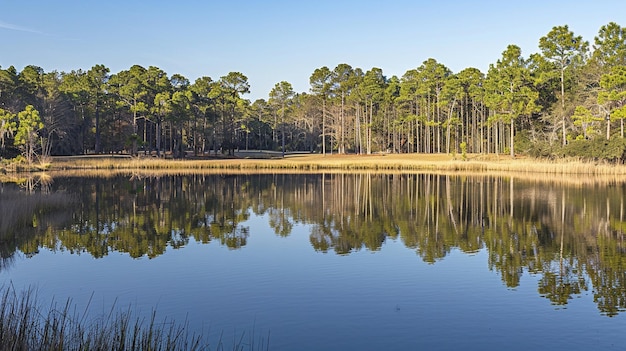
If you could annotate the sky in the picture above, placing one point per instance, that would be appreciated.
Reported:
(273, 41)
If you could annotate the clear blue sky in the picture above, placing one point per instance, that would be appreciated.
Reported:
(271, 41)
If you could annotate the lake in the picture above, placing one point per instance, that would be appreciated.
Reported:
(332, 261)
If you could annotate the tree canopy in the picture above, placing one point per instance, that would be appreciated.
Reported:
(537, 105)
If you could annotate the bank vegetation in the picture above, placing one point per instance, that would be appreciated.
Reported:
(568, 100)
(26, 324)
(473, 163)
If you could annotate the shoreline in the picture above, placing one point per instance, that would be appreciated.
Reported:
(272, 162)
(345, 163)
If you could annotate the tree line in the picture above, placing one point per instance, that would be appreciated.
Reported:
(566, 100)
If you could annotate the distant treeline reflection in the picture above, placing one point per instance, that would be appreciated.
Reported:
(573, 236)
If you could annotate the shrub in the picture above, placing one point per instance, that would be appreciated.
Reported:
(463, 146)
(596, 149)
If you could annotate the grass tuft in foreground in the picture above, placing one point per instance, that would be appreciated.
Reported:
(24, 325)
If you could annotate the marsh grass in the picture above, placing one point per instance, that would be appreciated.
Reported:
(25, 325)
(347, 163)
(19, 165)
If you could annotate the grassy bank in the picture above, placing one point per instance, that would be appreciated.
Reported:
(315, 163)
(25, 325)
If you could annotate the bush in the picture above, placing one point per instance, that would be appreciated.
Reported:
(464, 151)
(597, 149)
(534, 148)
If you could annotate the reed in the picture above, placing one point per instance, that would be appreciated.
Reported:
(383, 163)
(25, 325)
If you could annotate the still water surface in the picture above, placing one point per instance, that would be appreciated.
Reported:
(334, 261)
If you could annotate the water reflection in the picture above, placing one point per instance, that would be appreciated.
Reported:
(572, 235)
(28, 209)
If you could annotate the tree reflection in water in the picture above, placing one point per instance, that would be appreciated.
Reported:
(572, 235)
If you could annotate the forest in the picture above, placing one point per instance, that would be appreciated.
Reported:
(566, 100)
(572, 236)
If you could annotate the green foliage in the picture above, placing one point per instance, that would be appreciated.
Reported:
(463, 147)
(29, 124)
(430, 109)
(563, 48)
(321, 81)
(533, 148)
(583, 118)
(597, 149)
(613, 86)
(8, 126)
(566, 51)
(19, 159)
(610, 45)
(509, 91)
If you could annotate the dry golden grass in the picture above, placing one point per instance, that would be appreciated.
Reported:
(475, 164)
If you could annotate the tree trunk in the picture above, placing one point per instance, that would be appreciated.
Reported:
(341, 141)
(324, 127)
(369, 129)
(563, 105)
(98, 146)
(512, 134)
(158, 138)
(282, 128)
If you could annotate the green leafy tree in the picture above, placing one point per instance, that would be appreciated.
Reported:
(431, 78)
(471, 81)
(30, 86)
(545, 82)
(304, 121)
(7, 127)
(566, 50)
(97, 84)
(390, 110)
(609, 48)
(26, 137)
(321, 84)
(156, 82)
(201, 109)
(74, 86)
(162, 106)
(260, 124)
(62, 133)
(613, 95)
(451, 96)
(343, 79)
(180, 114)
(8, 89)
(130, 89)
(509, 91)
(229, 92)
(371, 92)
(583, 118)
(279, 96)
(411, 118)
